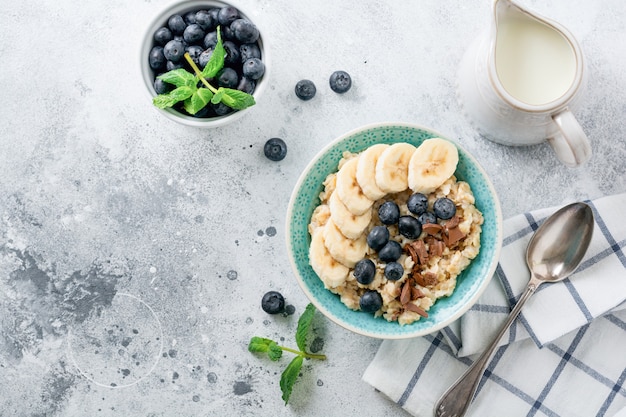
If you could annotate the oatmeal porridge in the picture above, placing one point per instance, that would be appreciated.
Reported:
(394, 229)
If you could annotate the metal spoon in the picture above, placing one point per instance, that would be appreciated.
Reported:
(553, 253)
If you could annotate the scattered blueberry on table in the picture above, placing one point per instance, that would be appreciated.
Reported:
(273, 302)
(305, 90)
(275, 149)
(340, 82)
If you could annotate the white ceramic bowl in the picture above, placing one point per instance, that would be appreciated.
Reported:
(183, 7)
(305, 197)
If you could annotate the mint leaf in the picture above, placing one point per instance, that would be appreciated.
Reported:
(179, 77)
(259, 344)
(236, 99)
(274, 352)
(289, 376)
(216, 62)
(218, 96)
(304, 322)
(198, 100)
(178, 94)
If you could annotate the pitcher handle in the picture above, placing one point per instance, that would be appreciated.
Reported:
(570, 143)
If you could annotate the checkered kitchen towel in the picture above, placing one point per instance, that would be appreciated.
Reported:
(564, 356)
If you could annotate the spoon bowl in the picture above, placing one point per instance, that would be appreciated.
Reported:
(553, 253)
(560, 243)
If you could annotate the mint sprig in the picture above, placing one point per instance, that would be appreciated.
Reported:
(275, 351)
(194, 89)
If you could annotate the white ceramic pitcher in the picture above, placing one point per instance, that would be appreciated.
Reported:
(520, 80)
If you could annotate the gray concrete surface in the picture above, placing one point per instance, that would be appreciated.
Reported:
(134, 251)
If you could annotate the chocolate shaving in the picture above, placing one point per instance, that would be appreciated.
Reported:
(453, 222)
(454, 235)
(405, 295)
(416, 293)
(416, 309)
(412, 253)
(435, 248)
(426, 279)
(432, 228)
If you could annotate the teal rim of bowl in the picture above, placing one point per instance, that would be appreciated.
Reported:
(471, 283)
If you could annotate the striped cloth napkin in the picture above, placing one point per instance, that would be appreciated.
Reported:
(565, 355)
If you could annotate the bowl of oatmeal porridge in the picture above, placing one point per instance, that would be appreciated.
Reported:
(393, 230)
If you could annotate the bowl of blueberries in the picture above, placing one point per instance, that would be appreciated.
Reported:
(204, 62)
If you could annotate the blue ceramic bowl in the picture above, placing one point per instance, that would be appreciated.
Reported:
(470, 284)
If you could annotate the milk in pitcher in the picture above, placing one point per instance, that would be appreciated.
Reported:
(535, 63)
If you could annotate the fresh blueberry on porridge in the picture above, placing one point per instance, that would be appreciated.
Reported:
(394, 229)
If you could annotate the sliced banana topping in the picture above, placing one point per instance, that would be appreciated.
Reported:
(345, 250)
(349, 190)
(392, 167)
(366, 171)
(331, 272)
(351, 225)
(432, 163)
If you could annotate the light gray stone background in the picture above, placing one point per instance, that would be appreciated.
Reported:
(134, 251)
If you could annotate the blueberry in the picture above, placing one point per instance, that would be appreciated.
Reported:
(417, 203)
(227, 33)
(444, 208)
(205, 20)
(378, 237)
(174, 50)
(365, 271)
(389, 212)
(233, 56)
(390, 252)
(227, 77)
(210, 40)
(227, 15)
(214, 12)
(275, 149)
(305, 89)
(221, 109)
(161, 87)
(427, 217)
(273, 302)
(244, 31)
(246, 85)
(340, 82)
(190, 18)
(249, 50)
(194, 52)
(409, 227)
(371, 301)
(193, 34)
(204, 58)
(156, 58)
(173, 65)
(394, 271)
(253, 68)
(163, 35)
(177, 24)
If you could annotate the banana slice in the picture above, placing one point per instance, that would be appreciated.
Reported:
(432, 163)
(392, 167)
(344, 250)
(351, 225)
(349, 190)
(366, 171)
(331, 272)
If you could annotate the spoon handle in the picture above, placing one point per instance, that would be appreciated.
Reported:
(457, 399)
